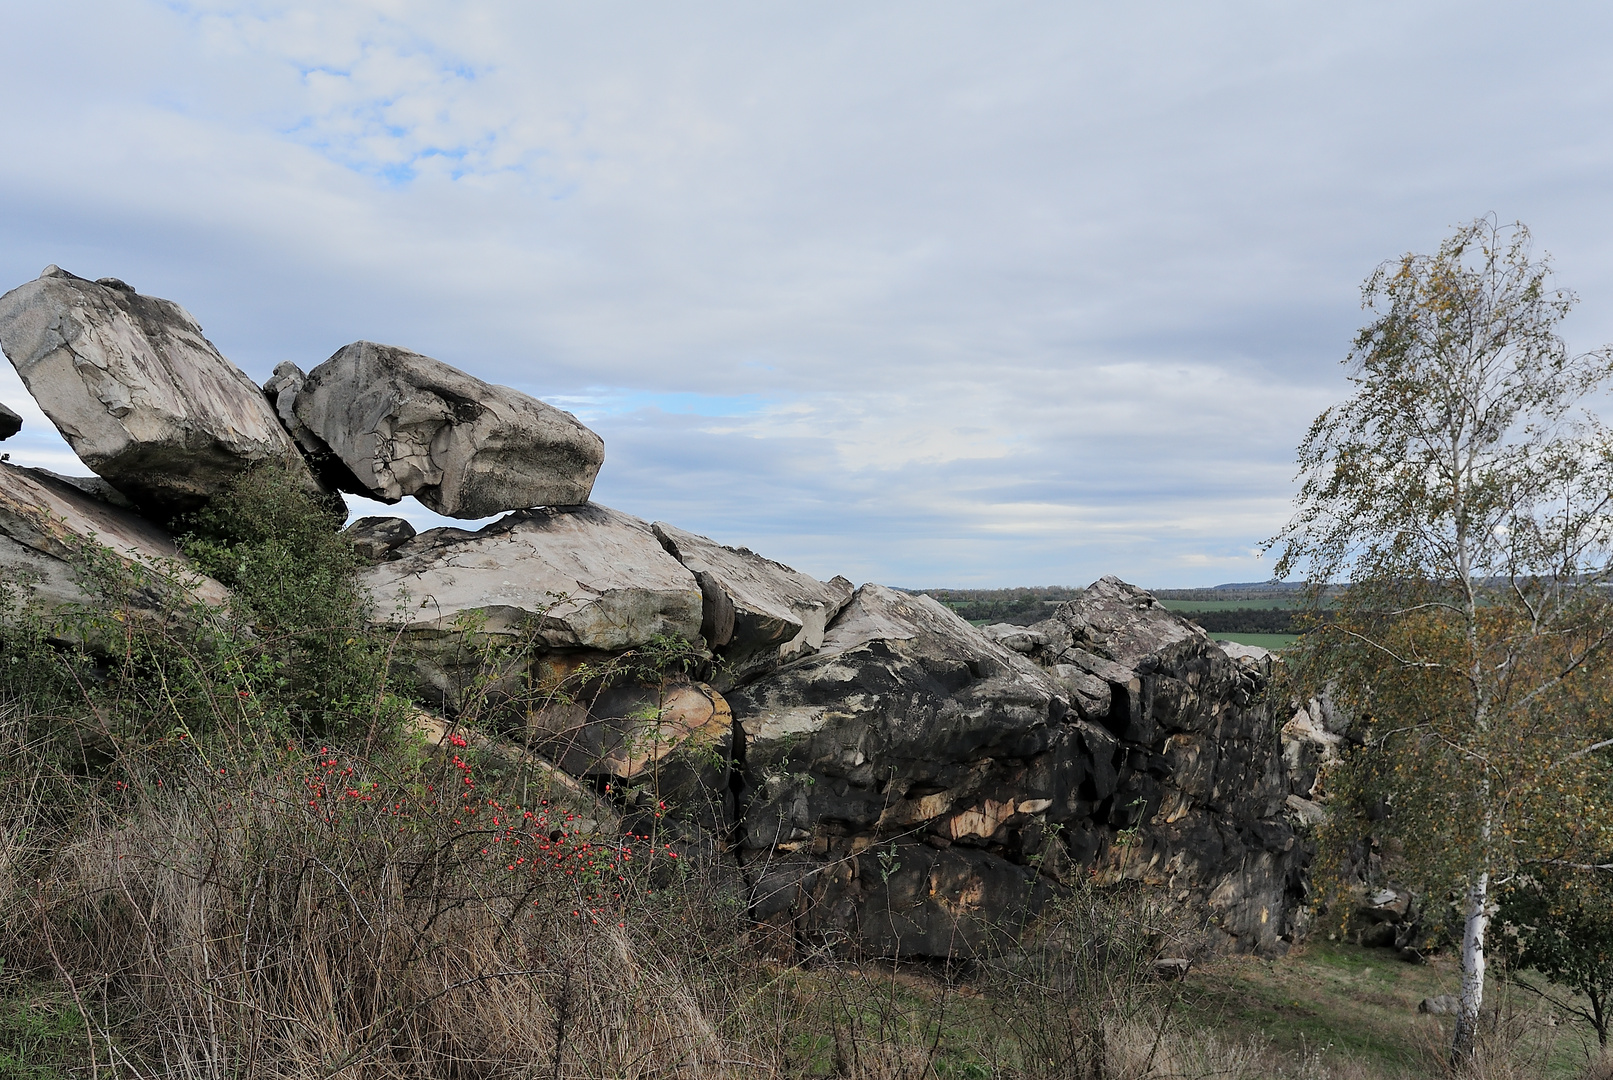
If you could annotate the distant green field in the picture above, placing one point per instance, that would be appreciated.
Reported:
(1264, 641)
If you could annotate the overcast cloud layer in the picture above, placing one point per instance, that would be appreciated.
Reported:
(924, 293)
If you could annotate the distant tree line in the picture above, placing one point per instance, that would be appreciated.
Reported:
(1245, 620)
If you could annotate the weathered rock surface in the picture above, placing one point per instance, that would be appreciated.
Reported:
(900, 779)
(757, 613)
(917, 780)
(579, 578)
(10, 423)
(48, 527)
(626, 731)
(143, 398)
(1203, 782)
(377, 537)
(405, 424)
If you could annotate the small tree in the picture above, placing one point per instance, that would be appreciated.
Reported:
(1465, 503)
(1558, 921)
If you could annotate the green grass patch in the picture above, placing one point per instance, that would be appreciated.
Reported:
(1361, 1004)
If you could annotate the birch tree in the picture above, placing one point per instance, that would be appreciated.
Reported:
(1458, 511)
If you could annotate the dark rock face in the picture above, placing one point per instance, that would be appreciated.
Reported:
(377, 537)
(908, 734)
(404, 424)
(915, 782)
(143, 398)
(1203, 783)
(10, 423)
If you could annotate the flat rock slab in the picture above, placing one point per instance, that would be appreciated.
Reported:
(584, 577)
(758, 613)
(405, 424)
(143, 398)
(10, 423)
(48, 526)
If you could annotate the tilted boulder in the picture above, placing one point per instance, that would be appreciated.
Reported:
(50, 531)
(405, 424)
(580, 578)
(143, 398)
(758, 613)
(10, 423)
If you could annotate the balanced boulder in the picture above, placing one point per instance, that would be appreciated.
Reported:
(405, 424)
(143, 398)
(10, 423)
(758, 613)
(52, 532)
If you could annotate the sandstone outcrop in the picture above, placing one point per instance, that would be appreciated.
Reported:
(918, 780)
(757, 613)
(143, 398)
(892, 780)
(404, 424)
(899, 782)
(51, 531)
(581, 578)
(10, 423)
(1203, 783)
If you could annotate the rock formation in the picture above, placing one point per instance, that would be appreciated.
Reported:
(143, 398)
(10, 423)
(47, 526)
(405, 424)
(583, 578)
(758, 613)
(914, 750)
(891, 779)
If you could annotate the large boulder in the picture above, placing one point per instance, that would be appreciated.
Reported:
(758, 613)
(900, 781)
(143, 398)
(917, 782)
(404, 424)
(580, 578)
(1202, 799)
(10, 423)
(56, 539)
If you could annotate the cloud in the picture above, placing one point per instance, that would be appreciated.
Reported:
(922, 293)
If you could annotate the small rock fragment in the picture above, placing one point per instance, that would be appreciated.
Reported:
(376, 537)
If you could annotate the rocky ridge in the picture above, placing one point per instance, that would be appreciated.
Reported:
(891, 778)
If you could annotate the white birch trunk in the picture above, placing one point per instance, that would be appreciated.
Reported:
(1473, 932)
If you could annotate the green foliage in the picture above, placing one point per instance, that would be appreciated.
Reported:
(293, 579)
(1464, 502)
(1558, 921)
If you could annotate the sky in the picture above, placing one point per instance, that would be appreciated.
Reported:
(931, 293)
